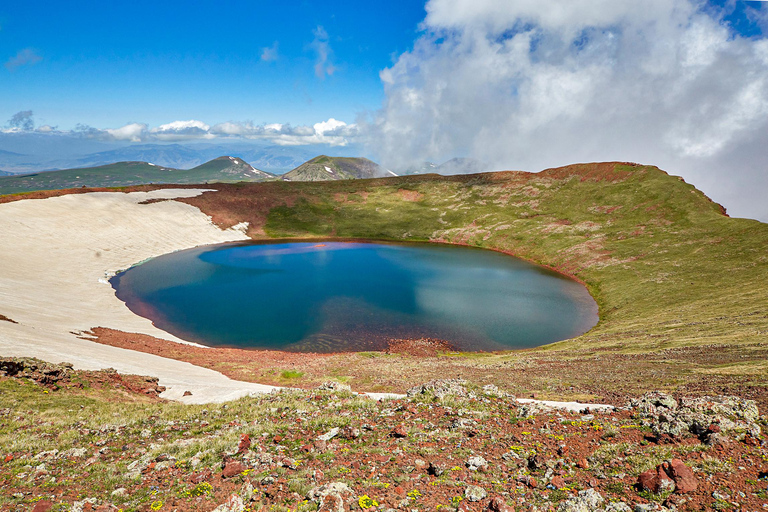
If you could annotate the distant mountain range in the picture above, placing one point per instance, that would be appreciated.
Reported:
(328, 168)
(223, 169)
(31, 152)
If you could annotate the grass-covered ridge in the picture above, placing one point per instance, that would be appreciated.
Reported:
(665, 264)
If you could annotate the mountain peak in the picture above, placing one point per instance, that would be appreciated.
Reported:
(329, 168)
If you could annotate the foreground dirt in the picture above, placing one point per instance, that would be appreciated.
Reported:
(603, 376)
(448, 446)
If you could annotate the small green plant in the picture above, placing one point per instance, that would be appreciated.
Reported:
(201, 489)
(291, 374)
(367, 502)
(415, 494)
(652, 496)
(557, 496)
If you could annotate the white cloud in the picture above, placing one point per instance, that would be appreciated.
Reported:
(133, 132)
(328, 126)
(269, 53)
(331, 132)
(25, 57)
(531, 84)
(323, 62)
(182, 130)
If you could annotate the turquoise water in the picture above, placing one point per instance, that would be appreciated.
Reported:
(340, 296)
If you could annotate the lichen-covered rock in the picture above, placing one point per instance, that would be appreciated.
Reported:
(334, 386)
(233, 504)
(476, 462)
(586, 501)
(441, 388)
(685, 480)
(42, 372)
(491, 390)
(618, 506)
(339, 488)
(703, 416)
(656, 481)
(474, 493)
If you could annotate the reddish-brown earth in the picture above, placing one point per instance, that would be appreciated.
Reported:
(605, 377)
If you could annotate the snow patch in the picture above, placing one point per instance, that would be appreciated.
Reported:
(390, 172)
(328, 169)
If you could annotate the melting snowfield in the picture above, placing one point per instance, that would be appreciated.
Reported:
(55, 257)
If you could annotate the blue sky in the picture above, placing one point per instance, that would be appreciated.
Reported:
(106, 64)
(518, 84)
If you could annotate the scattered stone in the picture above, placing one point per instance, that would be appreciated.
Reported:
(441, 388)
(476, 462)
(349, 432)
(86, 504)
(399, 431)
(529, 481)
(233, 504)
(74, 453)
(491, 390)
(232, 468)
(685, 480)
(656, 481)
(618, 506)
(497, 504)
(331, 503)
(42, 506)
(120, 491)
(474, 493)
(672, 475)
(586, 501)
(246, 491)
(650, 507)
(582, 464)
(435, 469)
(329, 435)
(703, 416)
(244, 444)
(334, 386)
(339, 488)
(187, 393)
(558, 482)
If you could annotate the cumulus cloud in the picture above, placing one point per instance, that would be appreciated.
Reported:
(21, 122)
(324, 54)
(331, 132)
(532, 84)
(269, 53)
(182, 130)
(133, 132)
(25, 57)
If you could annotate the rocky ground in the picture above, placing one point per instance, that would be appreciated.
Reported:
(100, 441)
(587, 375)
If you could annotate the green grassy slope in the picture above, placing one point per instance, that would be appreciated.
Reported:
(665, 265)
(222, 169)
(328, 168)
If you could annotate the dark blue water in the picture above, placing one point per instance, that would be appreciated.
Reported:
(338, 296)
